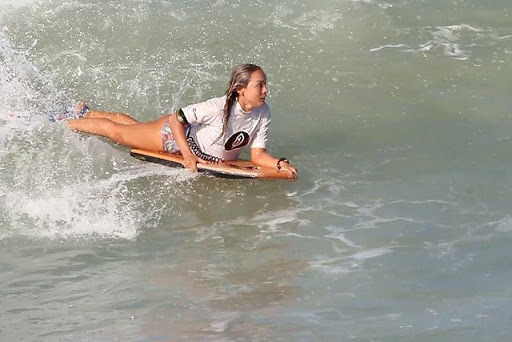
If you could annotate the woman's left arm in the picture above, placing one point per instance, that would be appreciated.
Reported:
(261, 157)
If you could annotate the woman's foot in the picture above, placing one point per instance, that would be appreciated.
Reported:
(79, 110)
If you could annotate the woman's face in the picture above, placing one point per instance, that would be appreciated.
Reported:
(255, 93)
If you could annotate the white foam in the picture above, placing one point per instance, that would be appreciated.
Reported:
(341, 237)
(337, 265)
(371, 253)
(454, 41)
(387, 46)
(96, 208)
(268, 221)
(503, 225)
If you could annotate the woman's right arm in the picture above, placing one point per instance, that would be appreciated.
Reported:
(178, 131)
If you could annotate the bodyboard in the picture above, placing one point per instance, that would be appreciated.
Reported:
(232, 169)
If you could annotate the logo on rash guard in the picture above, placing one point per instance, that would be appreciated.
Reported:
(237, 140)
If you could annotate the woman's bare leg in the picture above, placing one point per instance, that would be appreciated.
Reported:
(144, 135)
(121, 118)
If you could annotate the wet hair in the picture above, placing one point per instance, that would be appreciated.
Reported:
(240, 78)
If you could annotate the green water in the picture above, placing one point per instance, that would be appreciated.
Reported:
(397, 114)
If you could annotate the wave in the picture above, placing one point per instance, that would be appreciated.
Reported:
(454, 41)
(58, 184)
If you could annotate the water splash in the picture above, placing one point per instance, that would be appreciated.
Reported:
(57, 184)
(24, 89)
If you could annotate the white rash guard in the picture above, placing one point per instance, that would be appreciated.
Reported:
(244, 129)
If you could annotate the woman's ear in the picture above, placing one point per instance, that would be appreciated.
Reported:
(240, 91)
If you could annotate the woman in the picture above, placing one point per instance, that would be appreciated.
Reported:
(207, 132)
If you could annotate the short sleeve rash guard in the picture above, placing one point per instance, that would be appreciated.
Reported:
(244, 128)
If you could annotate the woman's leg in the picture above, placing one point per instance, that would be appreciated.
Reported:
(144, 135)
(116, 117)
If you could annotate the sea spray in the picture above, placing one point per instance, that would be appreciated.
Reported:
(55, 183)
(24, 88)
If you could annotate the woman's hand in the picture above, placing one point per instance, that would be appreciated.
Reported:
(190, 161)
(259, 156)
(287, 167)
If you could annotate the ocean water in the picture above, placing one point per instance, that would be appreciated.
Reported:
(396, 112)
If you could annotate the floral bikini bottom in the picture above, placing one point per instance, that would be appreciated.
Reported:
(168, 143)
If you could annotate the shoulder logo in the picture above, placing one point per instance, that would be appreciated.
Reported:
(237, 140)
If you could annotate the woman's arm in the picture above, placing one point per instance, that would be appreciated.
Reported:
(180, 136)
(259, 156)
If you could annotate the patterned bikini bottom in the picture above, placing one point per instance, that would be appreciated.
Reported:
(168, 143)
(170, 146)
